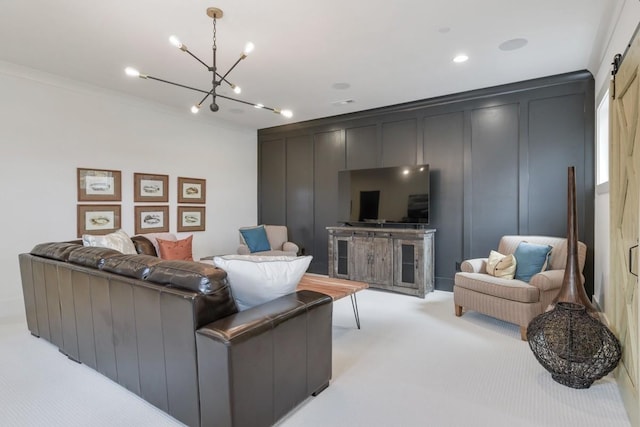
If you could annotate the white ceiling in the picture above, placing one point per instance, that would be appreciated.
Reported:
(389, 52)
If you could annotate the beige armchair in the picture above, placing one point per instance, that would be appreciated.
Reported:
(278, 242)
(513, 300)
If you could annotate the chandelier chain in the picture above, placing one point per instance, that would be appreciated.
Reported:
(214, 33)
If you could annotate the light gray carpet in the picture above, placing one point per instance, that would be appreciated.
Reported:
(413, 363)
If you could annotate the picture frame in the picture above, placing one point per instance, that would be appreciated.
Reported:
(98, 219)
(191, 218)
(150, 188)
(192, 190)
(99, 185)
(151, 219)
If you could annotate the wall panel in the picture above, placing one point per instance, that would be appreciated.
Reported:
(363, 149)
(299, 191)
(494, 177)
(272, 173)
(399, 142)
(328, 159)
(443, 151)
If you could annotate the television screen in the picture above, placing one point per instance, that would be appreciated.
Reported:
(384, 195)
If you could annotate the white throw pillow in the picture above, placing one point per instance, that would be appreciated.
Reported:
(257, 279)
(500, 265)
(118, 240)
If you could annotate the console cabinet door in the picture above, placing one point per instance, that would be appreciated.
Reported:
(382, 262)
(409, 270)
(341, 249)
(360, 259)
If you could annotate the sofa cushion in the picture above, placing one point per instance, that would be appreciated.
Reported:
(144, 246)
(194, 276)
(257, 279)
(136, 266)
(499, 265)
(510, 289)
(93, 257)
(256, 238)
(531, 258)
(118, 240)
(180, 250)
(55, 250)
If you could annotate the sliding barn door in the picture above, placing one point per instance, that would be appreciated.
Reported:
(623, 304)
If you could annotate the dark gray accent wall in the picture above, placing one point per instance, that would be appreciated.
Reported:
(498, 159)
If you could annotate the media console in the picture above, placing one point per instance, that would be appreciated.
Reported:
(396, 259)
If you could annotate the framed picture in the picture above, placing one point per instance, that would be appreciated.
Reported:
(98, 219)
(150, 188)
(192, 190)
(191, 218)
(151, 219)
(99, 185)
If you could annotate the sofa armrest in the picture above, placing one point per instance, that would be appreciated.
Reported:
(243, 250)
(254, 363)
(290, 247)
(475, 265)
(546, 280)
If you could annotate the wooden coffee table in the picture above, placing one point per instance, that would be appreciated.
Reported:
(335, 288)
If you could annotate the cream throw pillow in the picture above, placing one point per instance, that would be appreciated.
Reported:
(118, 240)
(503, 266)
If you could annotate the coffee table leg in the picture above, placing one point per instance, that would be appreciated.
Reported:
(354, 304)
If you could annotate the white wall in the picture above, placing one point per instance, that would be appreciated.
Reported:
(51, 126)
(621, 29)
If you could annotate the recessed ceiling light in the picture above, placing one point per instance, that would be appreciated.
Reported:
(460, 58)
(513, 44)
(341, 86)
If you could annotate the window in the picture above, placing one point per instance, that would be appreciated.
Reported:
(602, 140)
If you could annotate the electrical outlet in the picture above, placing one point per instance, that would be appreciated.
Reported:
(458, 266)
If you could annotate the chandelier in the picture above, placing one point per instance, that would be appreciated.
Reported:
(214, 13)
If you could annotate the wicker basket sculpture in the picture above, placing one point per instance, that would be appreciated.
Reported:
(575, 347)
(569, 340)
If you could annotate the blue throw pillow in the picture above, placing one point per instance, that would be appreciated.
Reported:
(256, 239)
(531, 259)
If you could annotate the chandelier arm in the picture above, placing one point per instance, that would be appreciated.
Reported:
(249, 103)
(205, 97)
(231, 69)
(198, 59)
(178, 84)
(222, 79)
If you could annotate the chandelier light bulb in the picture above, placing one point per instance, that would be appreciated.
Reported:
(287, 113)
(237, 89)
(248, 48)
(132, 72)
(195, 109)
(175, 41)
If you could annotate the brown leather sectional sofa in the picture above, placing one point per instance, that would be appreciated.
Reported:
(170, 332)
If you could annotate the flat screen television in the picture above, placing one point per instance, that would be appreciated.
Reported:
(391, 195)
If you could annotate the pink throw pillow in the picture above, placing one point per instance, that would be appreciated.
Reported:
(178, 250)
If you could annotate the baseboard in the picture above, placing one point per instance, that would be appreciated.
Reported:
(12, 311)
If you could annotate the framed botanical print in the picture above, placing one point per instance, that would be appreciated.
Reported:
(150, 188)
(98, 219)
(191, 218)
(192, 190)
(151, 219)
(99, 185)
